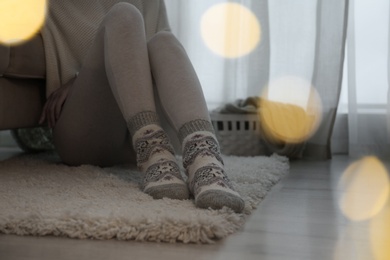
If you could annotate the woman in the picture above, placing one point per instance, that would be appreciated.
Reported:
(126, 60)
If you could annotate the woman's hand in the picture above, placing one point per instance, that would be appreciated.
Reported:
(53, 106)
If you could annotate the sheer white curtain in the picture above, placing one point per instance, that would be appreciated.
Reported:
(223, 79)
(365, 97)
(301, 39)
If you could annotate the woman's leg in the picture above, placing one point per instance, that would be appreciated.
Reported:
(111, 105)
(183, 102)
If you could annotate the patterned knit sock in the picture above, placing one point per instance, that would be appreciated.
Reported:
(155, 158)
(207, 179)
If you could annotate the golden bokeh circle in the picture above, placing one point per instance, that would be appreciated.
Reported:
(20, 19)
(290, 110)
(364, 188)
(230, 29)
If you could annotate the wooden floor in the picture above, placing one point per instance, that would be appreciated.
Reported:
(299, 219)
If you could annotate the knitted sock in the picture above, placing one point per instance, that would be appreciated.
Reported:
(155, 158)
(207, 179)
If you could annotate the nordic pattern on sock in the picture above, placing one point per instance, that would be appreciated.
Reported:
(155, 158)
(208, 175)
(150, 143)
(200, 145)
(207, 179)
(204, 147)
(162, 170)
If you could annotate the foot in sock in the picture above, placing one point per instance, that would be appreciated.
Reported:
(207, 179)
(155, 158)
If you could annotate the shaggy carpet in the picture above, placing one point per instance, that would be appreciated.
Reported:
(40, 196)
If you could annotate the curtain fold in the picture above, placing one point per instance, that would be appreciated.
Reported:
(331, 31)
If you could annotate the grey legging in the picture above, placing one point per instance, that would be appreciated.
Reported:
(118, 79)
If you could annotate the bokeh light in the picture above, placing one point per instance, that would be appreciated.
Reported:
(364, 189)
(230, 30)
(290, 110)
(380, 235)
(20, 19)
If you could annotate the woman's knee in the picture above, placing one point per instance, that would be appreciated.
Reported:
(162, 40)
(123, 15)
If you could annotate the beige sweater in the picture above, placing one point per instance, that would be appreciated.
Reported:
(70, 29)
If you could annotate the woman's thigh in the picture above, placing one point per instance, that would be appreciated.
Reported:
(91, 128)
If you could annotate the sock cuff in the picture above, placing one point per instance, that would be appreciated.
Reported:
(142, 119)
(194, 126)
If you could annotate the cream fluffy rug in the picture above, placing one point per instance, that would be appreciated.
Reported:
(39, 196)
